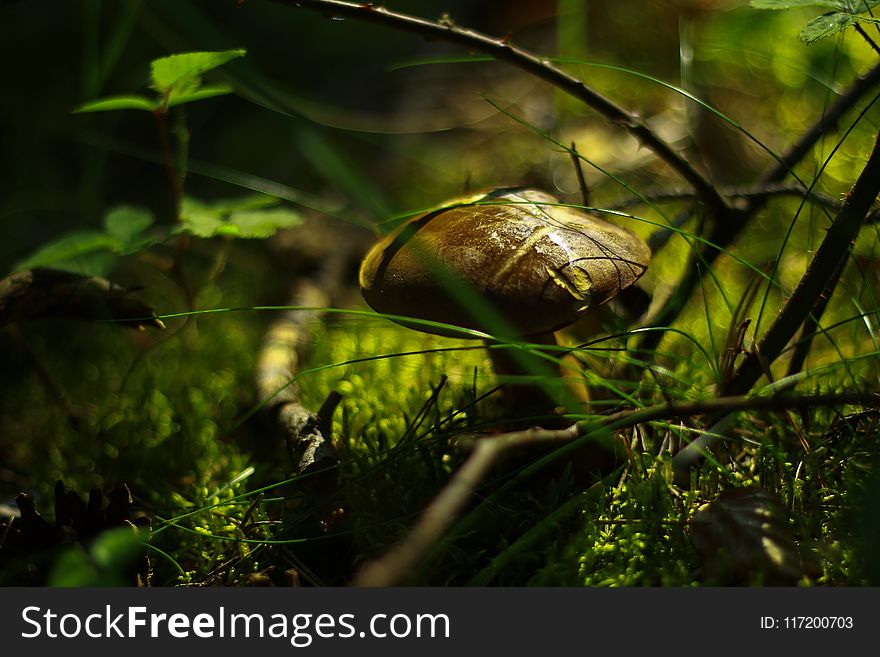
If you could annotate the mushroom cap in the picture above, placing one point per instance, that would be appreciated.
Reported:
(538, 264)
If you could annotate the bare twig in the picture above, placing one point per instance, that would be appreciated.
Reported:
(826, 123)
(772, 190)
(867, 38)
(403, 559)
(579, 172)
(729, 221)
(448, 505)
(174, 179)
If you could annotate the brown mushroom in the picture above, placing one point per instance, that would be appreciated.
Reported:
(512, 263)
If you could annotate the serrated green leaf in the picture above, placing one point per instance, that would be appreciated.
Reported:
(789, 4)
(259, 224)
(174, 70)
(113, 103)
(846, 6)
(198, 218)
(250, 217)
(826, 26)
(860, 6)
(184, 87)
(176, 98)
(72, 252)
(93, 252)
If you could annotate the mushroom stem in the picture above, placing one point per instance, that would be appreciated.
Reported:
(530, 383)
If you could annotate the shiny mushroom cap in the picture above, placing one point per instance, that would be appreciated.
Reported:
(538, 264)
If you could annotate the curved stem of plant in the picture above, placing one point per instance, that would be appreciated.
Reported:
(168, 160)
(176, 186)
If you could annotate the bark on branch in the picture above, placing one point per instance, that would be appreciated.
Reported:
(39, 293)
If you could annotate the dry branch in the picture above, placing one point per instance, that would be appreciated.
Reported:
(39, 293)
(318, 256)
(305, 432)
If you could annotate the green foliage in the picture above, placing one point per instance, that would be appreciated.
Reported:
(92, 251)
(826, 26)
(178, 72)
(213, 528)
(850, 6)
(846, 15)
(126, 231)
(251, 217)
(177, 80)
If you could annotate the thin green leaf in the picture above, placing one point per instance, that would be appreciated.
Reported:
(113, 103)
(791, 4)
(335, 166)
(127, 221)
(127, 224)
(168, 72)
(199, 94)
(826, 26)
(69, 251)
